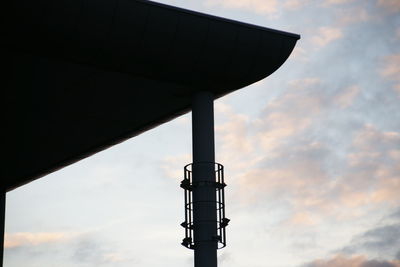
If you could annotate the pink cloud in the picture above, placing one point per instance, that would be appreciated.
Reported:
(346, 98)
(372, 140)
(234, 132)
(296, 175)
(303, 219)
(326, 35)
(114, 258)
(353, 15)
(280, 127)
(298, 181)
(390, 5)
(173, 166)
(289, 115)
(336, 2)
(304, 83)
(235, 141)
(388, 190)
(299, 53)
(295, 4)
(375, 165)
(391, 70)
(352, 261)
(266, 164)
(33, 239)
(269, 7)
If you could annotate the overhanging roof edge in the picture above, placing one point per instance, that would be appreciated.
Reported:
(250, 25)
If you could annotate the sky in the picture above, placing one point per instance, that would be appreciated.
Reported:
(311, 156)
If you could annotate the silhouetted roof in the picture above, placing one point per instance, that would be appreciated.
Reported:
(89, 74)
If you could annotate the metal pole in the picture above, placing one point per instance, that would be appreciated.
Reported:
(2, 222)
(204, 194)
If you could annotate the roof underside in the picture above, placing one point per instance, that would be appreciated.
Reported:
(87, 74)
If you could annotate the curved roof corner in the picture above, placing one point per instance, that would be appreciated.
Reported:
(89, 74)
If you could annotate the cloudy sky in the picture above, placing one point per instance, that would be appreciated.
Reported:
(312, 158)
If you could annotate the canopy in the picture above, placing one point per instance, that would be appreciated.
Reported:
(85, 75)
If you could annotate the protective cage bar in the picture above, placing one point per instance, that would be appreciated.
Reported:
(222, 221)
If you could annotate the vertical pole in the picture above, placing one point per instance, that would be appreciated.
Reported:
(2, 220)
(204, 196)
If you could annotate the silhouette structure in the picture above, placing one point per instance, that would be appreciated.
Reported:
(87, 74)
(205, 219)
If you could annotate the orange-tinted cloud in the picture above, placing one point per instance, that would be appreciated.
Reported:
(326, 35)
(303, 219)
(297, 175)
(268, 7)
(336, 2)
(292, 176)
(391, 70)
(392, 67)
(173, 166)
(33, 239)
(295, 4)
(346, 98)
(289, 115)
(236, 146)
(234, 132)
(390, 5)
(353, 261)
(374, 167)
(274, 156)
(299, 53)
(353, 15)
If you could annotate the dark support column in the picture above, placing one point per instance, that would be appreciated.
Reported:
(2, 221)
(204, 194)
